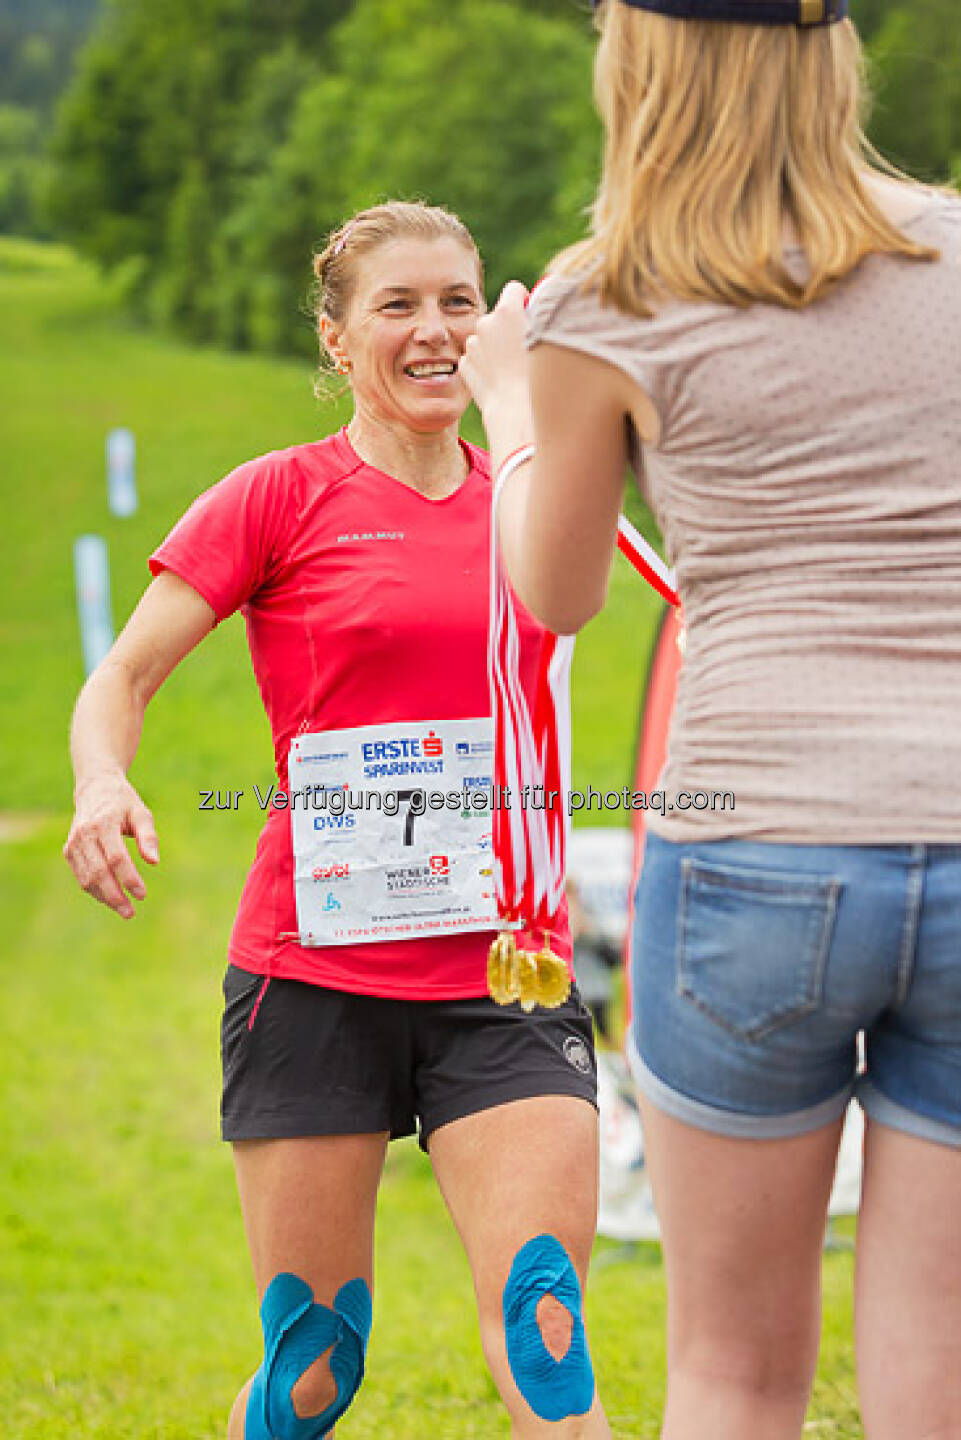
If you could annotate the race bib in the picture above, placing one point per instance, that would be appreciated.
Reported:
(392, 831)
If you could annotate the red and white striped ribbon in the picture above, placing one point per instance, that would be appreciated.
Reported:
(646, 560)
(530, 844)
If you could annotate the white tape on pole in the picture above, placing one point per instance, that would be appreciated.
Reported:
(121, 474)
(91, 569)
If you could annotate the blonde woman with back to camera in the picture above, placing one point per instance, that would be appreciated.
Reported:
(767, 325)
(361, 562)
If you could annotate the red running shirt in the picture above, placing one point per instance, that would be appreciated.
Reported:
(365, 603)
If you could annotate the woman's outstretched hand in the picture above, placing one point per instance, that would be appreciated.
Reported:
(107, 809)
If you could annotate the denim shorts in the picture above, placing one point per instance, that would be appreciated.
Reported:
(756, 967)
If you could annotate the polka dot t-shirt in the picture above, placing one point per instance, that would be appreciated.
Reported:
(807, 482)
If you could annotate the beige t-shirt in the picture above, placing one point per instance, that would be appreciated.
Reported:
(807, 482)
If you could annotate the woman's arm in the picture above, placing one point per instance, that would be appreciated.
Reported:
(169, 621)
(558, 514)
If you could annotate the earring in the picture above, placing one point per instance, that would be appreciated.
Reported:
(342, 365)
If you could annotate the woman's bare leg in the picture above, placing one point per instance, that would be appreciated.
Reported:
(742, 1224)
(308, 1208)
(508, 1174)
(908, 1288)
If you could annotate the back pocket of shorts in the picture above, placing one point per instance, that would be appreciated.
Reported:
(753, 944)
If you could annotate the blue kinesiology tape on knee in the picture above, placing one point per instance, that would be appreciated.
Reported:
(297, 1331)
(554, 1389)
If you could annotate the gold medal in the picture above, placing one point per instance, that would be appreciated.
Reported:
(534, 977)
(527, 980)
(502, 979)
(553, 981)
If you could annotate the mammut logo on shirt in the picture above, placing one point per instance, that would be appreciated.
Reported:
(370, 535)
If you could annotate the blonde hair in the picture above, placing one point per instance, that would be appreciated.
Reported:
(716, 134)
(336, 266)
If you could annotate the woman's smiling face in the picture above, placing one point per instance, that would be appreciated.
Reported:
(414, 304)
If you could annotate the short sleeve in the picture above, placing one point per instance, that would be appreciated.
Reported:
(546, 299)
(565, 310)
(226, 545)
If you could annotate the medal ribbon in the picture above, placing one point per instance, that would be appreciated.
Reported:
(646, 560)
(530, 844)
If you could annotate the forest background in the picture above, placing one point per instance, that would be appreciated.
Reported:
(198, 150)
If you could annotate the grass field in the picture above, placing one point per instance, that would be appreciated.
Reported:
(127, 1303)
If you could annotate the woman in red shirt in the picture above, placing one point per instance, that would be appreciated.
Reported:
(361, 565)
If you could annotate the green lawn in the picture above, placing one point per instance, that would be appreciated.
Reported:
(127, 1307)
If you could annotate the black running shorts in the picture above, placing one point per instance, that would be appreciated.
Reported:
(302, 1060)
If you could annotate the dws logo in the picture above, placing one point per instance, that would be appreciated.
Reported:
(334, 822)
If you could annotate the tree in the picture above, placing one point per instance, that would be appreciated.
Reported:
(37, 44)
(488, 113)
(20, 132)
(159, 90)
(916, 55)
(209, 145)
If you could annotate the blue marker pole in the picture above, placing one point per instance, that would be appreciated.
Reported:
(91, 569)
(121, 477)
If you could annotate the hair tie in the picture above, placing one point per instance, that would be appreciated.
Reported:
(342, 241)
